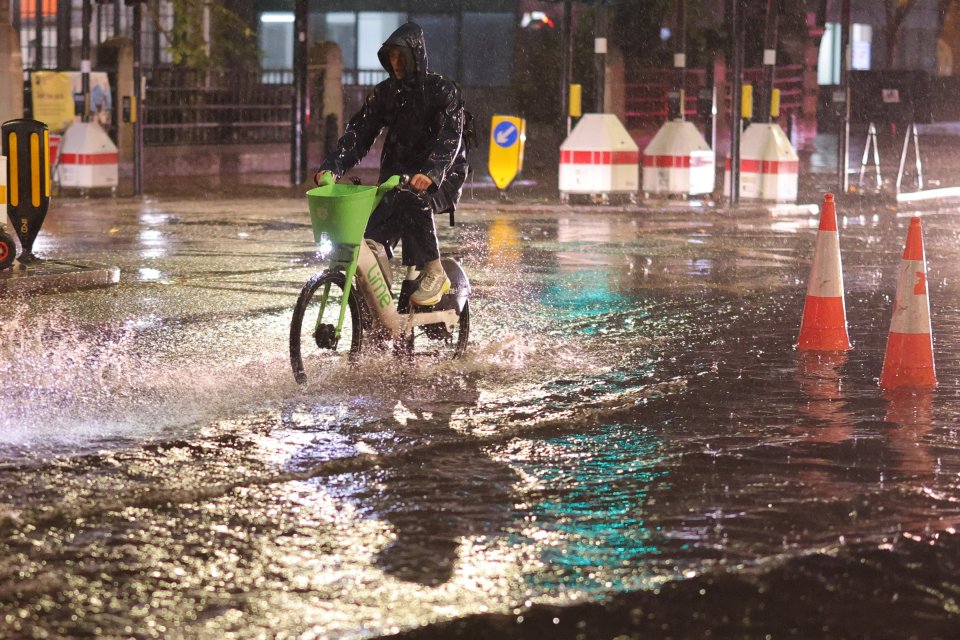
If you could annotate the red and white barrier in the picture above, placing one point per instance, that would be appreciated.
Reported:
(88, 157)
(769, 166)
(54, 146)
(678, 161)
(599, 157)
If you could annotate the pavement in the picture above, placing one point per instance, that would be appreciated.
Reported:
(939, 150)
(54, 276)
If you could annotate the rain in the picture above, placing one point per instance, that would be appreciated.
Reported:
(631, 446)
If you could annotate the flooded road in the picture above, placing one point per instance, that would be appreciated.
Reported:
(631, 447)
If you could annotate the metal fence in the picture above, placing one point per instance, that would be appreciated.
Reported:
(212, 107)
(646, 94)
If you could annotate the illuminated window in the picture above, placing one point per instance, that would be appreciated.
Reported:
(276, 40)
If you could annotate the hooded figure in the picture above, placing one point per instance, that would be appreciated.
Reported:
(424, 118)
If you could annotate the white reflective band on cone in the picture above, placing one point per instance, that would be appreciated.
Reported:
(911, 311)
(826, 279)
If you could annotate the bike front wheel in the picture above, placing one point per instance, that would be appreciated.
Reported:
(314, 344)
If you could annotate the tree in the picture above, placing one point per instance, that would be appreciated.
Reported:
(207, 34)
(896, 13)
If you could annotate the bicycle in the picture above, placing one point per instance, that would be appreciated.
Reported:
(350, 304)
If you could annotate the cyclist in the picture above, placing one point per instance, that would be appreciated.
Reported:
(424, 117)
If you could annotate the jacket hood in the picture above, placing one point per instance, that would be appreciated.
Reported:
(413, 46)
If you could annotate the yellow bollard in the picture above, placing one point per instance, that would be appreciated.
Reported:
(746, 102)
(576, 100)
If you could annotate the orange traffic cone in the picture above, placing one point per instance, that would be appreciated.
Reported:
(824, 324)
(908, 361)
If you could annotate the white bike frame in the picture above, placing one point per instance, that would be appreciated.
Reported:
(379, 298)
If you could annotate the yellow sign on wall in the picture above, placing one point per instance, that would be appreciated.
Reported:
(508, 135)
(55, 96)
(52, 94)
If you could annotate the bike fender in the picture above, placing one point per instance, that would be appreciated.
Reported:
(459, 292)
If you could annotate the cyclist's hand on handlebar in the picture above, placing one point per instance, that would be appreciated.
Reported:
(324, 178)
(420, 182)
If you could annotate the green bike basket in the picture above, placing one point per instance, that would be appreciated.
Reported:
(341, 211)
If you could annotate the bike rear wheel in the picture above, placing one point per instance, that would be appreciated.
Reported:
(313, 345)
(436, 342)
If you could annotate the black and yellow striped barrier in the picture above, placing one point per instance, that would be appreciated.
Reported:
(26, 144)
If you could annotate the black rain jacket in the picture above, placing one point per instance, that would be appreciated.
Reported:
(424, 118)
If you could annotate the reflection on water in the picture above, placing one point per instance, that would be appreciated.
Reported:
(910, 414)
(821, 382)
(594, 535)
(631, 422)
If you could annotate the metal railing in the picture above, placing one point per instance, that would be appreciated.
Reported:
(646, 94)
(211, 107)
(363, 77)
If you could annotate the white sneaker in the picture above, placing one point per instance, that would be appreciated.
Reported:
(433, 285)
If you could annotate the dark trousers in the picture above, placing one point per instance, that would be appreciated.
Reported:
(404, 216)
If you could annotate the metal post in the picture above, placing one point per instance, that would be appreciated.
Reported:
(16, 16)
(736, 32)
(38, 34)
(564, 55)
(298, 142)
(137, 99)
(843, 136)
(63, 34)
(769, 60)
(117, 8)
(568, 59)
(600, 49)
(85, 59)
(99, 19)
(680, 57)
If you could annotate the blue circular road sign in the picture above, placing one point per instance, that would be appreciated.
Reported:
(505, 134)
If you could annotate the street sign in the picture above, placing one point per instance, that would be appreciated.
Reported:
(507, 139)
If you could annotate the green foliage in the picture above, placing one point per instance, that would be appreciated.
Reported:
(233, 42)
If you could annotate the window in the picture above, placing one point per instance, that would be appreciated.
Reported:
(487, 48)
(276, 40)
(860, 38)
(372, 30)
(440, 32)
(828, 62)
(341, 27)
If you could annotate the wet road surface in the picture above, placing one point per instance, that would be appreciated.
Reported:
(631, 447)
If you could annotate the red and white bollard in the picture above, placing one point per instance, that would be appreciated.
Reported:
(599, 158)
(88, 158)
(769, 167)
(678, 161)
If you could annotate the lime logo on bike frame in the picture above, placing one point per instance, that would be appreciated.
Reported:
(379, 286)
